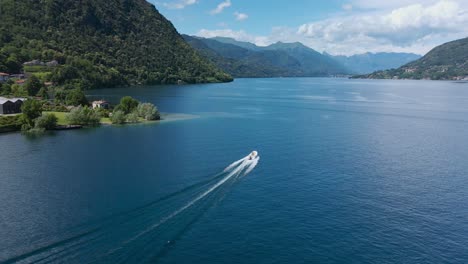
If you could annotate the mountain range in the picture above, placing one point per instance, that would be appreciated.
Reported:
(244, 59)
(448, 61)
(371, 62)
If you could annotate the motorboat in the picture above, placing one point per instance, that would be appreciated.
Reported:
(253, 155)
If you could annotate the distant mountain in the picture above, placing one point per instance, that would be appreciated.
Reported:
(241, 62)
(245, 45)
(243, 59)
(371, 62)
(312, 62)
(445, 62)
(99, 43)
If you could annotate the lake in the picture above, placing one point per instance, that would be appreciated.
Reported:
(350, 171)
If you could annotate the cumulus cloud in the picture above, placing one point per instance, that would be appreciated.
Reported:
(221, 6)
(179, 4)
(347, 7)
(239, 35)
(402, 27)
(381, 27)
(240, 16)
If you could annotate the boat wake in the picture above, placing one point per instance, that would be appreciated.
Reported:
(144, 234)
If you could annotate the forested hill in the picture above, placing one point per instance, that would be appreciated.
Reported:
(99, 43)
(445, 62)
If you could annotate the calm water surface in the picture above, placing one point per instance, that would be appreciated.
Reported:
(351, 171)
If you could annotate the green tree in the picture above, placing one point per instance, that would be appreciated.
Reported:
(76, 97)
(31, 109)
(33, 85)
(5, 89)
(118, 117)
(148, 111)
(128, 104)
(46, 121)
(18, 90)
(43, 93)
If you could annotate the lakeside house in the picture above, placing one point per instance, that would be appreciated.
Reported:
(4, 76)
(10, 105)
(101, 104)
(20, 82)
(18, 76)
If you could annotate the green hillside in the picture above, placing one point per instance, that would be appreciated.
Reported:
(99, 43)
(445, 62)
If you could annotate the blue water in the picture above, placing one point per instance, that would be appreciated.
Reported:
(351, 171)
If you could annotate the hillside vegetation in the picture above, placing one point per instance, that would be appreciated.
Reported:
(99, 43)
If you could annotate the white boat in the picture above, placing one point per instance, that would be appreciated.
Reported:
(253, 155)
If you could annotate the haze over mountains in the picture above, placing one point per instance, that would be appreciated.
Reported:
(244, 59)
(448, 61)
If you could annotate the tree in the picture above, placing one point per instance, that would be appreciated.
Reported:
(46, 121)
(43, 93)
(127, 104)
(31, 109)
(18, 90)
(60, 95)
(84, 116)
(148, 111)
(118, 117)
(76, 97)
(6, 89)
(33, 85)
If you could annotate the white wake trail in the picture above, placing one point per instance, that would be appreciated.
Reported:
(235, 164)
(241, 165)
(252, 165)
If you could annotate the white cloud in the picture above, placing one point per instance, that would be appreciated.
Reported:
(221, 6)
(347, 7)
(239, 35)
(179, 4)
(240, 16)
(407, 27)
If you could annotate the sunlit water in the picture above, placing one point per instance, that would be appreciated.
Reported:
(351, 171)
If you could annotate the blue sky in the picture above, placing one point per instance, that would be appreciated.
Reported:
(336, 26)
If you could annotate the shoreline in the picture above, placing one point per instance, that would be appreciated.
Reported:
(165, 118)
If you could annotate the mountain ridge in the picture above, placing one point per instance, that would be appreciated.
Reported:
(448, 61)
(277, 60)
(303, 61)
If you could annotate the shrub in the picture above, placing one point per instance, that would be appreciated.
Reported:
(148, 111)
(132, 117)
(118, 117)
(46, 121)
(84, 116)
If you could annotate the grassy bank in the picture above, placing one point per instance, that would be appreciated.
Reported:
(62, 119)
